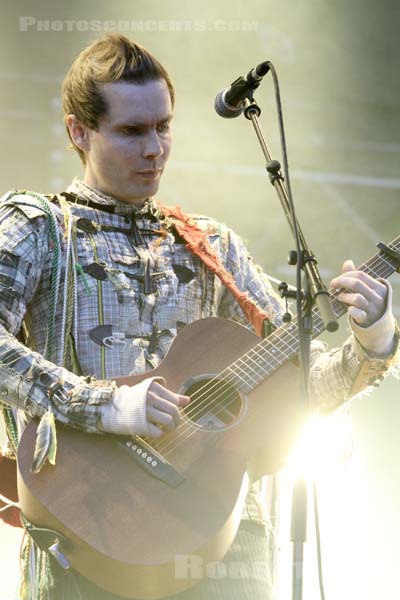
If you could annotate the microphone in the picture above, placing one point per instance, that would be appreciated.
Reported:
(229, 102)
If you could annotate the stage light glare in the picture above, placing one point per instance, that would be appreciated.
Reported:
(325, 443)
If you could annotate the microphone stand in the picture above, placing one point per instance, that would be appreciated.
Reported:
(315, 294)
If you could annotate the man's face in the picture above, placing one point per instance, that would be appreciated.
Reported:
(127, 155)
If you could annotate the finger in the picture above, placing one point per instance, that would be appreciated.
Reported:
(365, 313)
(350, 277)
(183, 400)
(348, 265)
(359, 316)
(356, 300)
(164, 419)
(154, 431)
(373, 290)
(163, 407)
(166, 405)
(163, 392)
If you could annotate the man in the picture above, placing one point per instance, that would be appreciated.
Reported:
(103, 282)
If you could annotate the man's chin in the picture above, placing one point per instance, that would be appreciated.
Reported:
(137, 197)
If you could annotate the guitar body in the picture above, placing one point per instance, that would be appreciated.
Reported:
(128, 528)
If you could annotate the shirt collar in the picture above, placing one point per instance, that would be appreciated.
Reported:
(85, 191)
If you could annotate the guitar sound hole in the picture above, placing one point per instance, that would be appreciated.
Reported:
(214, 404)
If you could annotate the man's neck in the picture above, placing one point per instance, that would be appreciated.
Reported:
(112, 198)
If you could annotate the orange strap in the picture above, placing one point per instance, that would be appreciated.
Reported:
(197, 242)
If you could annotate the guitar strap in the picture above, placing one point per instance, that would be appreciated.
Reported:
(197, 242)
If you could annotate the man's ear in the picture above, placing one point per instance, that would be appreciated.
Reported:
(79, 133)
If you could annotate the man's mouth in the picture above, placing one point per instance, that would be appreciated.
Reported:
(150, 173)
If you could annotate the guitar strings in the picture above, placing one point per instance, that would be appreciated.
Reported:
(221, 386)
(266, 353)
(232, 396)
(191, 428)
(254, 351)
(206, 388)
(228, 383)
(259, 366)
(222, 383)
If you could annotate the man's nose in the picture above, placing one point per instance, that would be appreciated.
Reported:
(153, 146)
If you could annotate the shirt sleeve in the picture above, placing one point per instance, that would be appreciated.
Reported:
(336, 374)
(27, 380)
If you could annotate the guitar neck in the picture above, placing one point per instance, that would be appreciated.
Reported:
(283, 344)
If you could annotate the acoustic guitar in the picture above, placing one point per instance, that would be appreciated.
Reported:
(142, 517)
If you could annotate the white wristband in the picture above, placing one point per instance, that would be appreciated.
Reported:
(378, 337)
(126, 413)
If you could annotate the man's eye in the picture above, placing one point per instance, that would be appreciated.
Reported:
(164, 127)
(130, 131)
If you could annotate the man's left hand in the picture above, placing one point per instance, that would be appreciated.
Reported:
(365, 296)
(369, 301)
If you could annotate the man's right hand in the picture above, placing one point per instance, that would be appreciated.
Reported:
(163, 409)
(148, 408)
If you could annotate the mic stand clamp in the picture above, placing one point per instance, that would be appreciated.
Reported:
(287, 294)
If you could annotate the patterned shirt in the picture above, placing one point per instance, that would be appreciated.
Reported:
(135, 285)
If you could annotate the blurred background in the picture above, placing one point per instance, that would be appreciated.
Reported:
(338, 68)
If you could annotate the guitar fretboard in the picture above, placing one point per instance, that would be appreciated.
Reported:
(282, 345)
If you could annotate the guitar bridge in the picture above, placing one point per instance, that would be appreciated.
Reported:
(150, 460)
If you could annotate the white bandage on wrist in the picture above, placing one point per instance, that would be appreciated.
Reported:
(126, 413)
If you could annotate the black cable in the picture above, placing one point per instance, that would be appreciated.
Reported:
(318, 540)
(303, 355)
